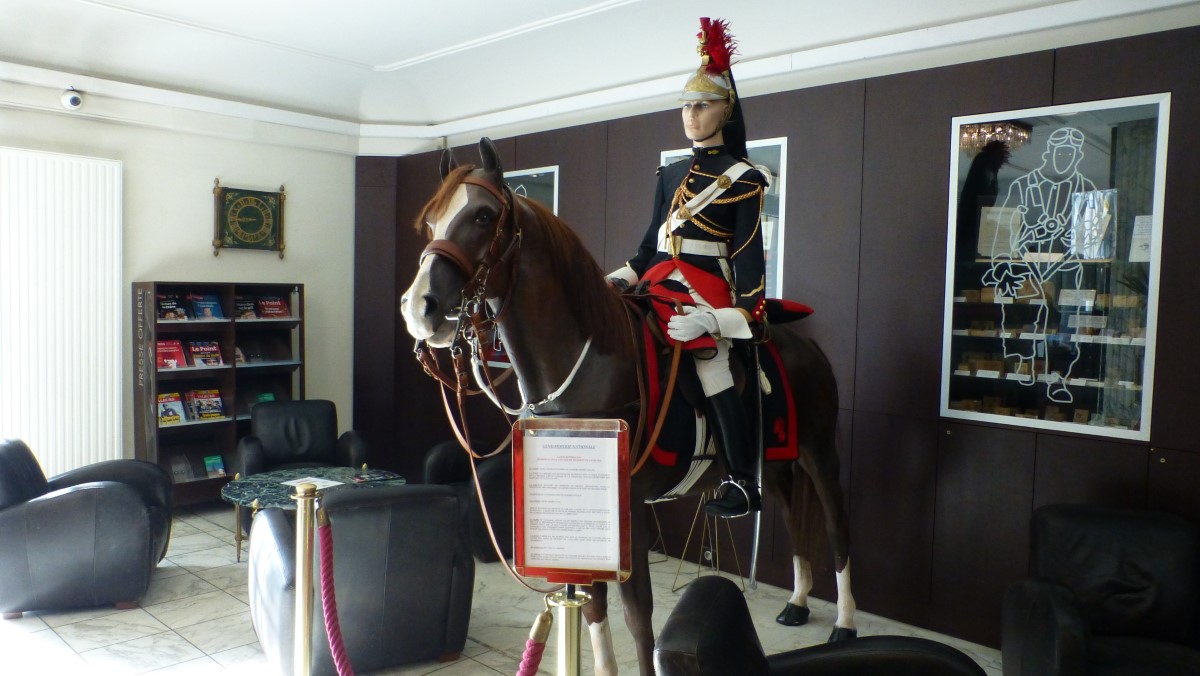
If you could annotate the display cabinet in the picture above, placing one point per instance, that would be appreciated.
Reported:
(204, 354)
(1052, 266)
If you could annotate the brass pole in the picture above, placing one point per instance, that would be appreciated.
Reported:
(306, 495)
(569, 604)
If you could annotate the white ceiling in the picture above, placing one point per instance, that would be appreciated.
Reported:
(426, 69)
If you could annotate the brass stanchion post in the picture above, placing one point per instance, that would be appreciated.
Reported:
(569, 604)
(306, 495)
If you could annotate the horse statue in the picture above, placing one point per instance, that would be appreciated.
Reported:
(501, 258)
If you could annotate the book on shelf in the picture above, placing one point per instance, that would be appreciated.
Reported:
(169, 354)
(171, 306)
(170, 409)
(205, 404)
(181, 469)
(245, 307)
(273, 307)
(214, 466)
(205, 306)
(205, 353)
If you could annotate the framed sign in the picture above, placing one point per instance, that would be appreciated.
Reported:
(571, 500)
(247, 219)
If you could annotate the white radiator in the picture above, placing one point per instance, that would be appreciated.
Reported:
(60, 306)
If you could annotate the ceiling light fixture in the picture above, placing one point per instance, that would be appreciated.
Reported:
(973, 137)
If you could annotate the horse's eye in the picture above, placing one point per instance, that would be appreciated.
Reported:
(483, 217)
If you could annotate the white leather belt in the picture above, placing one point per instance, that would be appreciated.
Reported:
(696, 247)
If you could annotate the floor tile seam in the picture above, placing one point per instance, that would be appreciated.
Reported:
(168, 630)
(207, 619)
(91, 619)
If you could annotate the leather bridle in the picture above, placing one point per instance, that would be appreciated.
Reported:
(475, 318)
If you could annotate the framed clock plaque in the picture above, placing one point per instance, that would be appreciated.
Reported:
(247, 219)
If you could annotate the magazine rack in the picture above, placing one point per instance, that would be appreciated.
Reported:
(224, 347)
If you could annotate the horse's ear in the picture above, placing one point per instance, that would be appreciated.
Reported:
(447, 164)
(489, 155)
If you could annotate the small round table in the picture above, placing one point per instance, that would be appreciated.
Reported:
(276, 488)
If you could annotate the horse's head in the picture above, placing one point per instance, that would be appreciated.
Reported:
(470, 224)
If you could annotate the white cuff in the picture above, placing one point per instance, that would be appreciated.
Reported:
(732, 323)
(626, 273)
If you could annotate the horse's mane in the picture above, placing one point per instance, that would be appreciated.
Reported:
(592, 304)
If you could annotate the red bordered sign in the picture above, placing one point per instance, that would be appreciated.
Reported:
(571, 499)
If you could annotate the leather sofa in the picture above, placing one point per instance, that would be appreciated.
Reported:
(447, 463)
(1110, 591)
(710, 633)
(87, 537)
(404, 579)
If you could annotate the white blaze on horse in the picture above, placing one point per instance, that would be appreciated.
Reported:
(503, 261)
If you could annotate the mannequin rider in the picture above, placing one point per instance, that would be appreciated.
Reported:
(705, 244)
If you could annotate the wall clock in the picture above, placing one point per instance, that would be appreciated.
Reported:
(247, 219)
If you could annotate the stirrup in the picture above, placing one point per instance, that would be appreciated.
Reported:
(720, 507)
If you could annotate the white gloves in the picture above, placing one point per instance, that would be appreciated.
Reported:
(693, 323)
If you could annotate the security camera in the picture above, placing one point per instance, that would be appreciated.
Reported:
(71, 99)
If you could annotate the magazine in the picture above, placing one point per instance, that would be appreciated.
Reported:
(214, 466)
(273, 307)
(205, 353)
(205, 404)
(171, 307)
(170, 354)
(244, 307)
(205, 306)
(170, 409)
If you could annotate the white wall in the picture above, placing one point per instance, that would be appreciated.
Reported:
(168, 227)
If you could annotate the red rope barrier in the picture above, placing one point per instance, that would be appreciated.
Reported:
(329, 600)
(535, 645)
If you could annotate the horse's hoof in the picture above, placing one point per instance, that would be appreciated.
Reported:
(842, 634)
(793, 615)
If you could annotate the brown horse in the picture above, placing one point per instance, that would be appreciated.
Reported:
(507, 257)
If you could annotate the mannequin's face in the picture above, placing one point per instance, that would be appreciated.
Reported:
(702, 121)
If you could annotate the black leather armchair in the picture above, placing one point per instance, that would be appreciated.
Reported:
(403, 577)
(710, 633)
(1111, 591)
(87, 537)
(447, 463)
(304, 433)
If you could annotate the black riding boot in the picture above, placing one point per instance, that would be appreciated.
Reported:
(739, 495)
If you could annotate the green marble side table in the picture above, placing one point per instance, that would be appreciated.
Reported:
(276, 488)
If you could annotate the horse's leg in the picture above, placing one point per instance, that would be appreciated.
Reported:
(778, 480)
(636, 592)
(820, 462)
(595, 614)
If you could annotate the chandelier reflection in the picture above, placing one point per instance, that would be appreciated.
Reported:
(973, 137)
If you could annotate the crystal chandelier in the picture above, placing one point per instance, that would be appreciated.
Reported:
(973, 137)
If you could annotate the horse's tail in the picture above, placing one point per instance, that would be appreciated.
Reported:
(816, 400)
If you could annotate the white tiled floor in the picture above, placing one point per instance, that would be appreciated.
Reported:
(195, 619)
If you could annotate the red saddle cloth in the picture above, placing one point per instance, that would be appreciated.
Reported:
(677, 440)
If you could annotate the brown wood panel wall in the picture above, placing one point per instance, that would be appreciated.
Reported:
(1090, 471)
(634, 144)
(938, 522)
(981, 525)
(578, 152)
(904, 187)
(892, 489)
(823, 127)
(375, 302)
(1151, 64)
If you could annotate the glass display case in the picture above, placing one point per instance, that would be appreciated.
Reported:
(769, 156)
(1055, 222)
